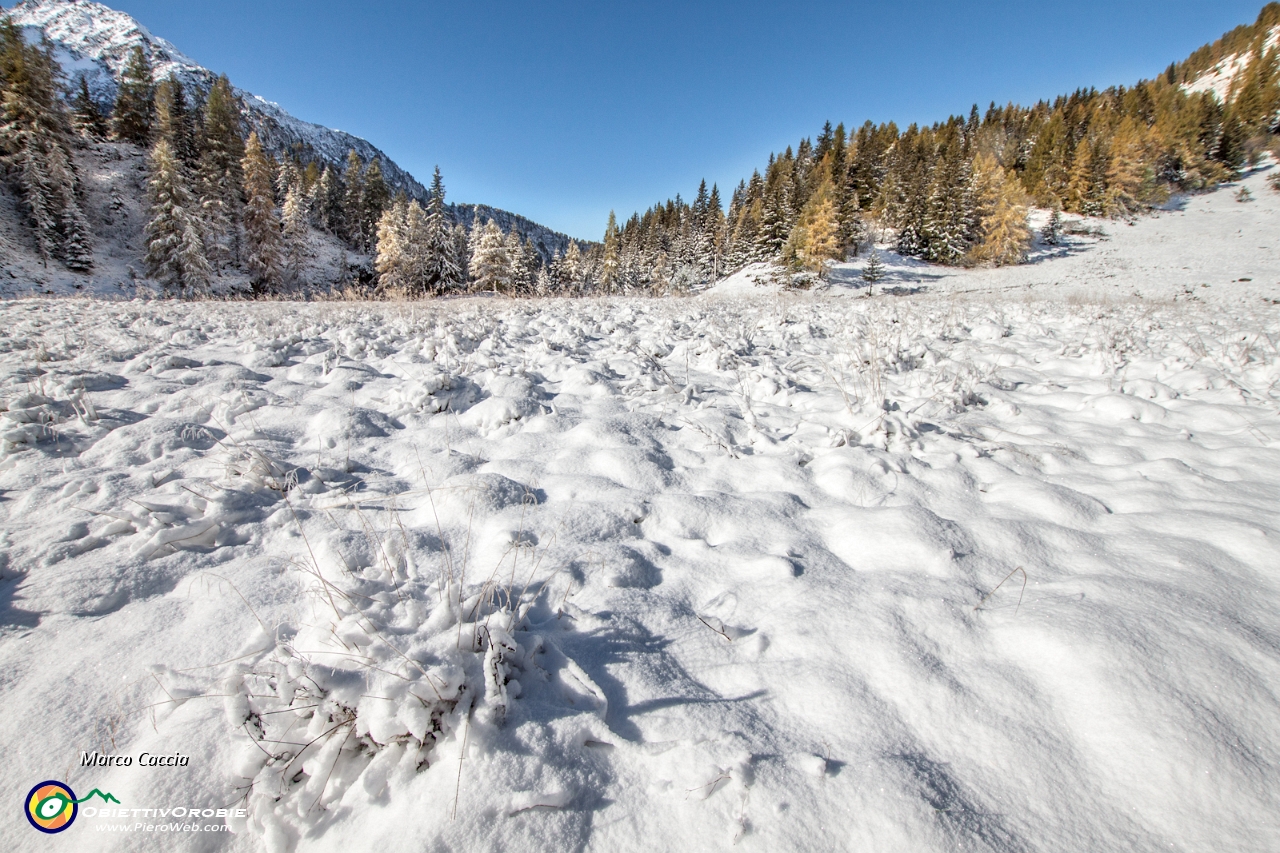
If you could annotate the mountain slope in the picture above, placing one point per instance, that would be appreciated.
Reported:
(1216, 67)
(94, 41)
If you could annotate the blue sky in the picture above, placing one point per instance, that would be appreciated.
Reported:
(563, 110)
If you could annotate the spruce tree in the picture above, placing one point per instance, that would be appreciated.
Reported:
(490, 262)
(392, 256)
(442, 269)
(611, 257)
(461, 256)
(374, 199)
(35, 134)
(174, 123)
(261, 225)
(353, 202)
(220, 174)
(327, 202)
(135, 101)
(86, 115)
(175, 245)
(296, 217)
(873, 271)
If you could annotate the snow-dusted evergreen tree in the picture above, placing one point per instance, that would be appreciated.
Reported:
(543, 285)
(175, 245)
(462, 253)
(375, 197)
(261, 225)
(174, 122)
(1051, 234)
(135, 101)
(490, 259)
(569, 271)
(86, 115)
(326, 203)
(947, 231)
(35, 133)
(441, 266)
(220, 175)
(523, 271)
(296, 216)
(393, 259)
(873, 272)
(610, 260)
(353, 202)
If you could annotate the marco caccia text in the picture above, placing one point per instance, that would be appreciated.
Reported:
(146, 759)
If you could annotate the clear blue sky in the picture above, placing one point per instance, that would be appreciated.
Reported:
(562, 110)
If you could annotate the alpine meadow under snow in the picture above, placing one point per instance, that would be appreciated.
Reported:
(829, 542)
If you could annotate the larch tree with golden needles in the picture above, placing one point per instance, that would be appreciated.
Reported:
(1003, 233)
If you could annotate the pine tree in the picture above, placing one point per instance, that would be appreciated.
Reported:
(522, 276)
(135, 101)
(572, 272)
(261, 225)
(175, 245)
(220, 175)
(86, 115)
(462, 255)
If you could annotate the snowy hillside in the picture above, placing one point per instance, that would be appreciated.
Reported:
(987, 565)
(95, 41)
(1220, 78)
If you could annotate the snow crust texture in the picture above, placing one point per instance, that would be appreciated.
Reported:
(651, 575)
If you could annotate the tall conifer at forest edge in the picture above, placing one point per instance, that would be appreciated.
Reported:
(175, 245)
(35, 132)
(261, 225)
(220, 175)
(135, 102)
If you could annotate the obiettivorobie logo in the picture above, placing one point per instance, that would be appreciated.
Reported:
(52, 806)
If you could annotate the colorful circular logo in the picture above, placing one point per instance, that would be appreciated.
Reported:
(51, 807)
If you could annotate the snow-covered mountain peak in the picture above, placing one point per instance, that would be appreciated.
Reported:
(102, 33)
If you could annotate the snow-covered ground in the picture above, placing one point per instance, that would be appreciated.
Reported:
(993, 566)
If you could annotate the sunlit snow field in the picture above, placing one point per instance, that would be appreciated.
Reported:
(665, 574)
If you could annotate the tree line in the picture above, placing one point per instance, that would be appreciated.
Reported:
(958, 191)
(218, 202)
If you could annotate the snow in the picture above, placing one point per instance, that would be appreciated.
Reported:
(685, 574)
